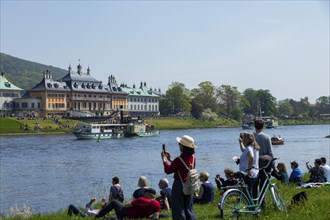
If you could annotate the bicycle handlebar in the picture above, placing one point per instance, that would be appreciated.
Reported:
(241, 174)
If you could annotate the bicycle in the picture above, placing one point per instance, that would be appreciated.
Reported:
(237, 201)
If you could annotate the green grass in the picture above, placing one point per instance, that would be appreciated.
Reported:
(166, 123)
(316, 207)
(7, 125)
(13, 125)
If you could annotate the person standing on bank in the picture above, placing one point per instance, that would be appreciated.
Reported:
(249, 161)
(182, 205)
(266, 149)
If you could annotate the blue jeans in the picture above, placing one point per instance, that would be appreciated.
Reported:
(76, 211)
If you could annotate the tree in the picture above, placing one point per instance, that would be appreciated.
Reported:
(205, 95)
(267, 102)
(209, 115)
(259, 100)
(176, 99)
(230, 99)
(196, 110)
(284, 108)
(250, 101)
(302, 108)
(322, 106)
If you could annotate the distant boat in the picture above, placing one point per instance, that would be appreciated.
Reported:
(99, 131)
(277, 140)
(249, 126)
(270, 121)
(140, 130)
(114, 131)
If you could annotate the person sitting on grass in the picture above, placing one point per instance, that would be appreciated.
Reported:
(116, 190)
(296, 174)
(206, 191)
(165, 198)
(281, 173)
(142, 207)
(89, 209)
(142, 184)
(317, 173)
(230, 180)
(326, 169)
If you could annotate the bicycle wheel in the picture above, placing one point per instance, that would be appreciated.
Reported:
(277, 198)
(233, 204)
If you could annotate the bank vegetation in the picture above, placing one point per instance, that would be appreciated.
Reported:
(316, 207)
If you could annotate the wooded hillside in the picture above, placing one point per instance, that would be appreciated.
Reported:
(26, 74)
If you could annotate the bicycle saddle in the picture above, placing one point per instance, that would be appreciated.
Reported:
(239, 174)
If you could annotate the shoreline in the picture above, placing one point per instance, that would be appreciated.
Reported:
(41, 133)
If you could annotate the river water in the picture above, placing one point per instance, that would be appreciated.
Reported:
(49, 172)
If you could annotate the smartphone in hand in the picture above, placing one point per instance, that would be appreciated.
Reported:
(164, 147)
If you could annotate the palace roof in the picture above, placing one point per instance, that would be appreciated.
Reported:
(6, 85)
(47, 83)
(141, 91)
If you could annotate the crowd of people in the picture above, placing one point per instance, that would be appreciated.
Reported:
(256, 151)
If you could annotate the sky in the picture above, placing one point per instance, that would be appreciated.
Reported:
(280, 46)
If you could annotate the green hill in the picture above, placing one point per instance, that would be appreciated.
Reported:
(26, 74)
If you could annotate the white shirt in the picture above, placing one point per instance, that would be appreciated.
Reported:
(244, 160)
(326, 169)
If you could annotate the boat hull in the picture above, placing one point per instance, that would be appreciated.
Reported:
(142, 134)
(277, 142)
(96, 136)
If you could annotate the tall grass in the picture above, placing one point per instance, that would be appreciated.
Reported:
(317, 207)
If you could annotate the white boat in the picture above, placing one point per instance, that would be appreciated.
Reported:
(114, 131)
(140, 130)
(277, 140)
(100, 131)
(249, 126)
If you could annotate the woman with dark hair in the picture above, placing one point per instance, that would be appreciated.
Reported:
(182, 205)
(296, 174)
(116, 190)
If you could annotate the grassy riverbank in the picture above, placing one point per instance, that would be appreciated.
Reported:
(37, 126)
(42, 126)
(165, 123)
(316, 207)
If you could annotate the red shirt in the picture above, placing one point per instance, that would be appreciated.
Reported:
(177, 166)
(142, 208)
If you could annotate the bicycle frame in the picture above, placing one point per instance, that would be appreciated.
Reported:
(253, 205)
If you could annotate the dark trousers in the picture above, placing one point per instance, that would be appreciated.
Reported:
(263, 161)
(182, 205)
(252, 186)
(117, 206)
(76, 211)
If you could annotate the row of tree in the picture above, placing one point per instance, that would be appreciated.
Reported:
(226, 101)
